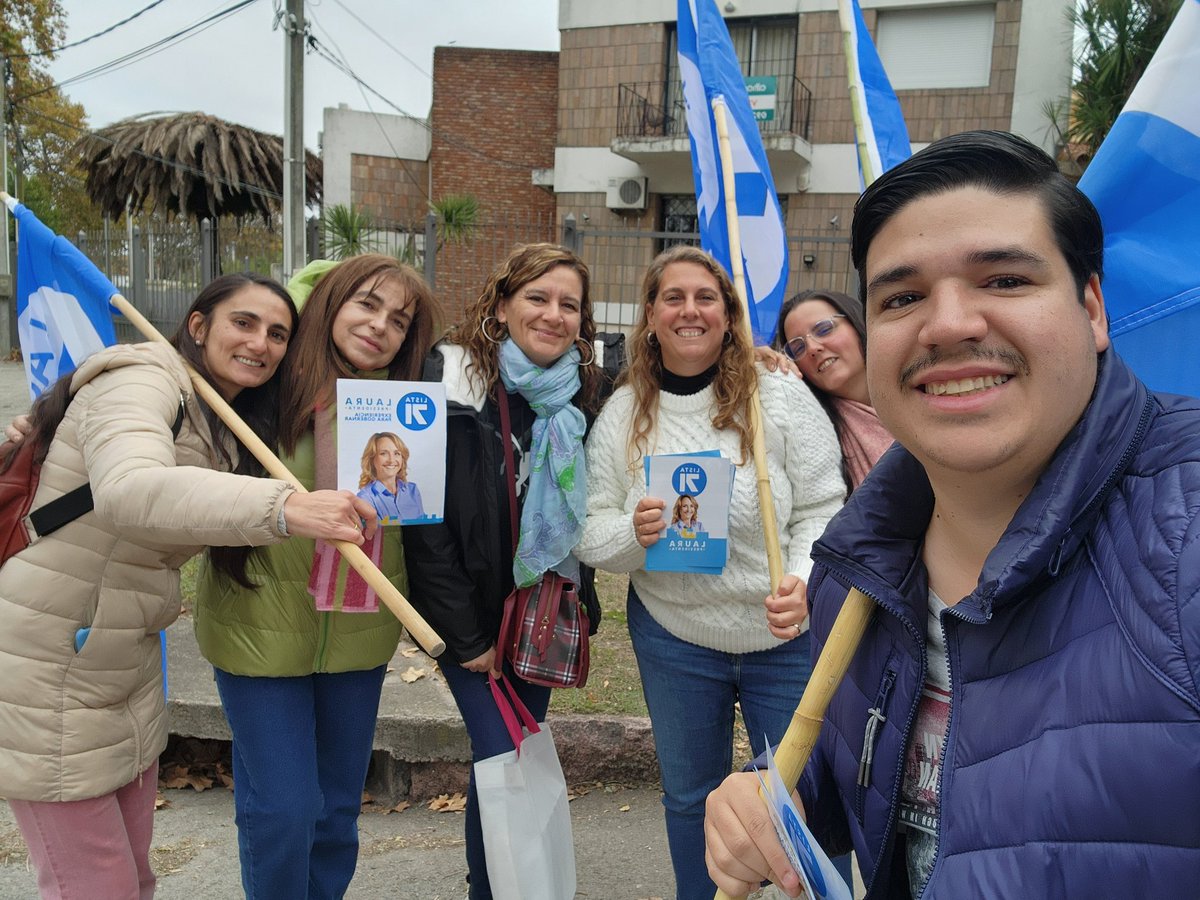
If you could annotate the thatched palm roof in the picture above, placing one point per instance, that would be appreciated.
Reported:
(189, 164)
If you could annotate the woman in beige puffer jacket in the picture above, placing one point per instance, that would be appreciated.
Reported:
(82, 712)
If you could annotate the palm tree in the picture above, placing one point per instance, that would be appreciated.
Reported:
(1115, 40)
(347, 231)
(458, 217)
(188, 164)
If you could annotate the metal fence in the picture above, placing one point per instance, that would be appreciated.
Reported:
(653, 109)
(618, 259)
(161, 267)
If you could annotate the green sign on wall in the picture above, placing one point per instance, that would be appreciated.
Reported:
(762, 97)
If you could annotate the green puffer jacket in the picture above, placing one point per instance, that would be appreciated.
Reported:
(276, 631)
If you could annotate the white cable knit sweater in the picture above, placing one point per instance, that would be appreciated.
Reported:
(723, 612)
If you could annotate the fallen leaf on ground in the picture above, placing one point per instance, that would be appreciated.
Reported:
(410, 652)
(411, 674)
(455, 802)
(625, 808)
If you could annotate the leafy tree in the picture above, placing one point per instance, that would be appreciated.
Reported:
(44, 123)
(1115, 40)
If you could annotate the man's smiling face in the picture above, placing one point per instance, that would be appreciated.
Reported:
(980, 355)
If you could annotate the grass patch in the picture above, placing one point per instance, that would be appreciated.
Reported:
(614, 686)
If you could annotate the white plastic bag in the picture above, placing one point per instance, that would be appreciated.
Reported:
(523, 810)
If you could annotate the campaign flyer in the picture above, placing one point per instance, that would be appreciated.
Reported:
(391, 439)
(696, 488)
(820, 879)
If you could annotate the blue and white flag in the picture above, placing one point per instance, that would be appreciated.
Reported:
(63, 315)
(884, 136)
(709, 69)
(1145, 180)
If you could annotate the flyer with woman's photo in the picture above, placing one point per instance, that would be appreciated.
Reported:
(696, 488)
(391, 439)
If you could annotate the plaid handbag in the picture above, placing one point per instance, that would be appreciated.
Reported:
(544, 630)
(544, 633)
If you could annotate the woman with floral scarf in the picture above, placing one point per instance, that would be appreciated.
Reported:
(527, 338)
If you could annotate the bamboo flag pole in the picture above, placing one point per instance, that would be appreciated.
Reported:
(850, 51)
(392, 598)
(851, 623)
(828, 672)
(766, 502)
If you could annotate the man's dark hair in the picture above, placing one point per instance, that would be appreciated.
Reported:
(993, 161)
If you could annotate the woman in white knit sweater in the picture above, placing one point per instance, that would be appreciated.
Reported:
(707, 642)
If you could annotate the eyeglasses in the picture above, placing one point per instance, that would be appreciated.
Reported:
(796, 346)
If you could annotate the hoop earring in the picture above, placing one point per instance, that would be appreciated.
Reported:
(581, 363)
(487, 337)
(652, 339)
(727, 339)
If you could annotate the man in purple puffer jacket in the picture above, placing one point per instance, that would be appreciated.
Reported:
(1023, 716)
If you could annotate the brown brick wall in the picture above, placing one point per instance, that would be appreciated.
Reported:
(391, 191)
(929, 114)
(495, 120)
(594, 62)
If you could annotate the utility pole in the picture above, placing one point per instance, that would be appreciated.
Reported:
(293, 138)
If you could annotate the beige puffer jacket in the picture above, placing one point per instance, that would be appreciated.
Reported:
(79, 725)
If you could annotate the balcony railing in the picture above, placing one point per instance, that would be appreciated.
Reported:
(654, 109)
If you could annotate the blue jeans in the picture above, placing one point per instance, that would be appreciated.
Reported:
(489, 738)
(301, 747)
(690, 692)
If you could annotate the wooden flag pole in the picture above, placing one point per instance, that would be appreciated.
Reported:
(766, 502)
(352, 553)
(392, 598)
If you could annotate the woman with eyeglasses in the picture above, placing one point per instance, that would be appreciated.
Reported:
(825, 333)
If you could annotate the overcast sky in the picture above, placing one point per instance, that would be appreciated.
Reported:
(234, 68)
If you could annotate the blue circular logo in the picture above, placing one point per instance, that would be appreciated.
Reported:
(808, 859)
(415, 411)
(689, 479)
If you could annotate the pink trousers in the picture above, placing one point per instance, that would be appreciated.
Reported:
(84, 849)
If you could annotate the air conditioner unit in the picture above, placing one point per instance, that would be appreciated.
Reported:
(626, 193)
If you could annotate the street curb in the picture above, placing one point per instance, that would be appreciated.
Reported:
(421, 744)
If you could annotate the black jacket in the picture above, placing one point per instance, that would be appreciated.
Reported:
(460, 571)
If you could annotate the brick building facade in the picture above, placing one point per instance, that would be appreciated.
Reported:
(539, 136)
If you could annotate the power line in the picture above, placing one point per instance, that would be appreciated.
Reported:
(345, 69)
(143, 52)
(382, 39)
(90, 37)
(379, 123)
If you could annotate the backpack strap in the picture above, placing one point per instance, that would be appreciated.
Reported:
(64, 510)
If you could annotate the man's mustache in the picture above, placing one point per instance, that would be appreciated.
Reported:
(972, 353)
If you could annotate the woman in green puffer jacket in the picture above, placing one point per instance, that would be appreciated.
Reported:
(300, 648)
